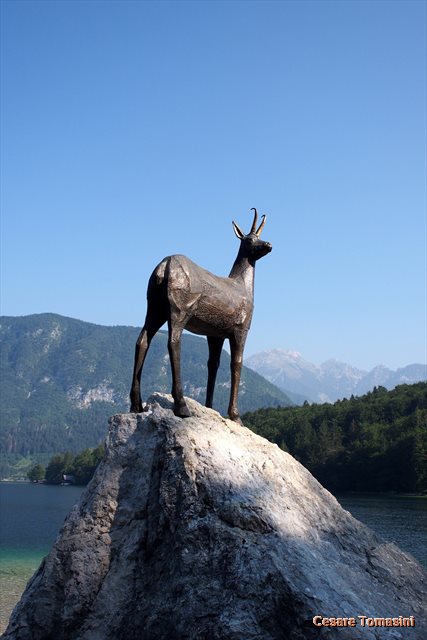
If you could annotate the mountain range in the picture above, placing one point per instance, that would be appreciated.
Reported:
(62, 378)
(329, 381)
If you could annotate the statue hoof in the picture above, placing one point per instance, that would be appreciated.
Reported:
(181, 410)
(235, 417)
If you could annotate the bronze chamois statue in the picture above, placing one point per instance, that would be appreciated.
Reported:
(188, 297)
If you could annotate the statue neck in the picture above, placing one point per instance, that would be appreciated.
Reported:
(243, 269)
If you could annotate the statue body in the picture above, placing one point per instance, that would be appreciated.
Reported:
(216, 306)
(187, 296)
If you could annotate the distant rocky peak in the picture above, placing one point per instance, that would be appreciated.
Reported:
(280, 358)
(331, 380)
(337, 368)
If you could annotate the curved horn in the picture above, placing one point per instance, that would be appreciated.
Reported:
(237, 230)
(261, 226)
(254, 222)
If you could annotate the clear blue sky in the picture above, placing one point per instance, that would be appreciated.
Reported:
(133, 130)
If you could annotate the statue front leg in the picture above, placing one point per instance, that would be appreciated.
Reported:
(237, 344)
(215, 347)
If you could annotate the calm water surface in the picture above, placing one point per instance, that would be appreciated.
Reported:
(31, 517)
(398, 519)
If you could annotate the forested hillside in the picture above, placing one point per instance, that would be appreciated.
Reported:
(377, 442)
(62, 378)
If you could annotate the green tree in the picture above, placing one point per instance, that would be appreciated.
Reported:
(82, 466)
(58, 467)
(85, 463)
(420, 460)
(37, 473)
(377, 442)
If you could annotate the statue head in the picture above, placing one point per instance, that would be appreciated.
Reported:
(251, 244)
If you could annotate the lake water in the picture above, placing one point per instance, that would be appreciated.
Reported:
(31, 516)
(398, 519)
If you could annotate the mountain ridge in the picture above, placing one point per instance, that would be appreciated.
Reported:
(331, 380)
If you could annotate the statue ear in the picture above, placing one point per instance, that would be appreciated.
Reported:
(239, 233)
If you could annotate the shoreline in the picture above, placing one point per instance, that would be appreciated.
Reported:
(377, 494)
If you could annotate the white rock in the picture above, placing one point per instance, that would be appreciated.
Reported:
(198, 529)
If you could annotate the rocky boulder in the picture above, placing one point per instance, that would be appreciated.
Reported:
(198, 529)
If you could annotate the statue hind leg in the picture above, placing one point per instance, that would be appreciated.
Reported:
(180, 408)
(148, 331)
